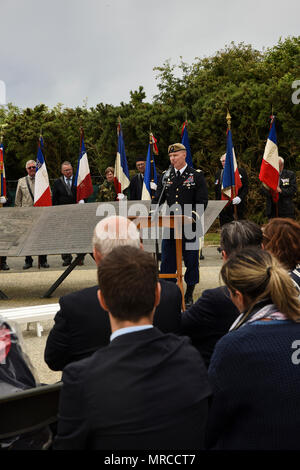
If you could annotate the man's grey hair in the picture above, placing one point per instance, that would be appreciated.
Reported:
(115, 231)
(66, 164)
(29, 162)
(240, 234)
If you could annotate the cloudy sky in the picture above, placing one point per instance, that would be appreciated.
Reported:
(68, 50)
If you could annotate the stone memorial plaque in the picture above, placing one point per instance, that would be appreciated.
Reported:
(69, 228)
(212, 211)
(15, 226)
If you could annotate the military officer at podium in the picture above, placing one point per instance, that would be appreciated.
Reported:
(182, 187)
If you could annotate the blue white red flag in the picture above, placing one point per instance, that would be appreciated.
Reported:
(269, 170)
(42, 193)
(185, 141)
(121, 174)
(150, 176)
(83, 180)
(231, 181)
(2, 172)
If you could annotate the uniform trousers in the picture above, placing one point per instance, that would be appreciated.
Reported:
(190, 257)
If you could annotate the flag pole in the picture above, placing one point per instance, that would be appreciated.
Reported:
(1, 139)
(272, 120)
(151, 161)
(1, 205)
(152, 194)
(81, 137)
(228, 119)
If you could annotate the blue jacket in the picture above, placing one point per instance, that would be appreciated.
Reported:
(256, 386)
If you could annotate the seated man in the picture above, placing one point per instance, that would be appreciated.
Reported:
(212, 315)
(146, 389)
(81, 325)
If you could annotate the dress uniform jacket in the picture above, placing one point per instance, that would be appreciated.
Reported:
(288, 186)
(189, 188)
(184, 191)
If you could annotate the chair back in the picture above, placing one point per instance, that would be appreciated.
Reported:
(28, 410)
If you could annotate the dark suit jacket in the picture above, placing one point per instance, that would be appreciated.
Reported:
(61, 193)
(136, 188)
(82, 326)
(208, 319)
(146, 390)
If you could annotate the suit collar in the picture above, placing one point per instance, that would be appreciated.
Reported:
(130, 329)
(141, 335)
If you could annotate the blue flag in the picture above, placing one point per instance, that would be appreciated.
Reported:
(231, 182)
(150, 176)
(186, 143)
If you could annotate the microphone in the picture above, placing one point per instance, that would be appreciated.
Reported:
(167, 173)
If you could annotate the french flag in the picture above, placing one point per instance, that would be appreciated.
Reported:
(269, 170)
(121, 180)
(2, 173)
(231, 181)
(42, 193)
(150, 176)
(83, 179)
(185, 141)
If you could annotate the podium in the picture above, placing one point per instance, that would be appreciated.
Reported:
(174, 222)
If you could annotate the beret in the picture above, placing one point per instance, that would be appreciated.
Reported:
(176, 148)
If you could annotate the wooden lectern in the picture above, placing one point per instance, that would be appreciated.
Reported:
(175, 222)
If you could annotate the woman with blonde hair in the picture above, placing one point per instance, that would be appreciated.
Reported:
(254, 370)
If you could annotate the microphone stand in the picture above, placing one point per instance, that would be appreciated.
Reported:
(154, 217)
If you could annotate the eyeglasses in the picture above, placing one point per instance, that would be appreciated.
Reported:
(31, 168)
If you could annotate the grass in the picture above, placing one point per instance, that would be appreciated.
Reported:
(212, 239)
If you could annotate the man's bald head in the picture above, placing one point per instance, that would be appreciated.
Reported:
(114, 231)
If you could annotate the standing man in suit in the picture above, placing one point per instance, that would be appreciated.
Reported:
(64, 192)
(227, 214)
(25, 198)
(133, 393)
(81, 326)
(136, 183)
(183, 189)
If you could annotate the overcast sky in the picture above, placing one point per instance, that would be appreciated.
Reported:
(68, 50)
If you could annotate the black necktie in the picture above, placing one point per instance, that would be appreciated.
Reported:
(177, 174)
